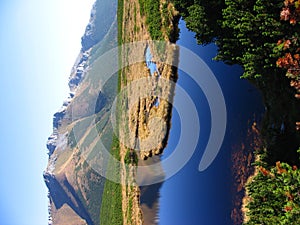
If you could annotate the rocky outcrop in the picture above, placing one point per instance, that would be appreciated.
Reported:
(51, 143)
(78, 71)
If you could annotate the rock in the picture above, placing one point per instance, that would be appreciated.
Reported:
(51, 143)
(57, 117)
(102, 17)
(61, 193)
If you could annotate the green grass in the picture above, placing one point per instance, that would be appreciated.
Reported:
(120, 20)
(120, 40)
(128, 160)
(111, 208)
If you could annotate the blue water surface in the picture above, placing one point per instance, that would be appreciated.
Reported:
(205, 198)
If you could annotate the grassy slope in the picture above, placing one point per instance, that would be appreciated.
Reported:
(111, 208)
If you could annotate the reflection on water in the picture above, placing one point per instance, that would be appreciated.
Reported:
(150, 194)
(193, 197)
(150, 63)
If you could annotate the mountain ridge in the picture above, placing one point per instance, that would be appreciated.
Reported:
(74, 194)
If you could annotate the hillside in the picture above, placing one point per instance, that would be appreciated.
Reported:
(75, 188)
(90, 177)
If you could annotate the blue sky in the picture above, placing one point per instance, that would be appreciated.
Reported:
(39, 42)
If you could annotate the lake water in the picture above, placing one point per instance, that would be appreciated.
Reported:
(191, 197)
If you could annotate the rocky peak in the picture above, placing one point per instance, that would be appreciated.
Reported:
(99, 23)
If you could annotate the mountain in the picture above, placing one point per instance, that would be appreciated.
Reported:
(116, 120)
(75, 188)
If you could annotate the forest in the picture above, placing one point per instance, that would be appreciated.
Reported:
(262, 37)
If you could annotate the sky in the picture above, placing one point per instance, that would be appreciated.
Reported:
(39, 42)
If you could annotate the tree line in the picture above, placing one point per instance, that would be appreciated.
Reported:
(262, 37)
